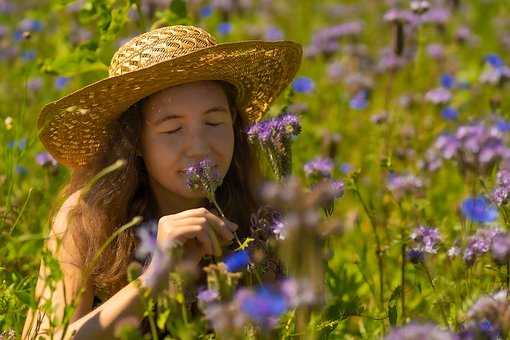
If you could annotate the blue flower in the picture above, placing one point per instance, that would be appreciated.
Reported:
(273, 33)
(264, 306)
(206, 11)
(237, 261)
(503, 125)
(303, 85)
(449, 113)
(21, 170)
(20, 143)
(478, 209)
(225, 28)
(61, 82)
(494, 60)
(30, 25)
(345, 168)
(447, 81)
(28, 55)
(359, 101)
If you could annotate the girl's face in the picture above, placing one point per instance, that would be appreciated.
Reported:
(182, 125)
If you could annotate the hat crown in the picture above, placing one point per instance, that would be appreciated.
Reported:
(160, 44)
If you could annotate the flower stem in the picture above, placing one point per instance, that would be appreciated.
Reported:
(429, 277)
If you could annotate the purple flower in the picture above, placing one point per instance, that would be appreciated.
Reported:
(438, 95)
(147, 233)
(275, 136)
(298, 292)
(208, 295)
(487, 317)
(21, 170)
(30, 25)
(500, 193)
(203, 176)
(45, 159)
(35, 84)
(396, 15)
(500, 248)
(345, 168)
(415, 255)
(404, 184)
(269, 220)
(303, 85)
(478, 209)
(479, 244)
(435, 51)
(503, 125)
(426, 238)
(237, 260)
(319, 168)
(21, 143)
(417, 331)
(359, 101)
(263, 306)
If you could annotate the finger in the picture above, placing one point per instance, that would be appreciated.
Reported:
(214, 241)
(204, 239)
(223, 232)
(231, 225)
(221, 226)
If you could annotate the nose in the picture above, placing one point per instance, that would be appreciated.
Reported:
(196, 145)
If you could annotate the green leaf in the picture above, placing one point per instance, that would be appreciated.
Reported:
(178, 7)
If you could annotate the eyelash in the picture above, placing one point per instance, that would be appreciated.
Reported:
(210, 124)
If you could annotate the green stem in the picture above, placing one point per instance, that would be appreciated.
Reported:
(441, 308)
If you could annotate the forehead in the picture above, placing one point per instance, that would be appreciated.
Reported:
(195, 96)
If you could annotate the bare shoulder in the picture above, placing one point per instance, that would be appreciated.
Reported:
(60, 222)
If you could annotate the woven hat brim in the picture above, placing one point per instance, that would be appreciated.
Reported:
(74, 128)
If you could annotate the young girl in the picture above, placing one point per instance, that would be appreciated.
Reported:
(173, 97)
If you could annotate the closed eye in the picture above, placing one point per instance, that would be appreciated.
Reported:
(169, 132)
(214, 124)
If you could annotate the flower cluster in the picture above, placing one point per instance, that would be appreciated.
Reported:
(501, 192)
(275, 136)
(404, 184)
(488, 317)
(475, 147)
(500, 248)
(496, 71)
(415, 331)
(479, 244)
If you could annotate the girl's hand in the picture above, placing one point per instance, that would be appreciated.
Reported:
(198, 230)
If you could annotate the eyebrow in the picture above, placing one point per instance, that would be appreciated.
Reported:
(171, 116)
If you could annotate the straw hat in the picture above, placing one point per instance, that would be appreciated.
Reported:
(74, 128)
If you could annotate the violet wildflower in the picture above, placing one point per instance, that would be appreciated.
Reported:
(418, 331)
(496, 72)
(61, 82)
(268, 220)
(478, 209)
(208, 295)
(263, 306)
(479, 244)
(404, 184)
(415, 255)
(500, 248)
(500, 194)
(438, 95)
(475, 147)
(275, 136)
(426, 238)
(44, 159)
(319, 168)
(449, 113)
(298, 292)
(453, 252)
(489, 315)
(359, 101)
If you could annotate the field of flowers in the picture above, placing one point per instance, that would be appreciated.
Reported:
(390, 152)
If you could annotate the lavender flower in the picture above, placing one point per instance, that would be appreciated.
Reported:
(275, 136)
(417, 331)
(298, 292)
(475, 147)
(208, 295)
(404, 184)
(501, 192)
(426, 238)
(203, 176)
(319, 168)
(489, 316)
(479, 244)
(269, 221)
(500, 248)
(45, 159)
(438, 95)
(263, 306)
(496, 72)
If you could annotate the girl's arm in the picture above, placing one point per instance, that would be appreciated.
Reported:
(88, 324)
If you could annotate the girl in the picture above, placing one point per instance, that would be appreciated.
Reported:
(187, 99)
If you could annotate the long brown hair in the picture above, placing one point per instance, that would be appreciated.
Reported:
(124, 193)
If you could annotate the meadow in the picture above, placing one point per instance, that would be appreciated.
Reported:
(389, 156)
